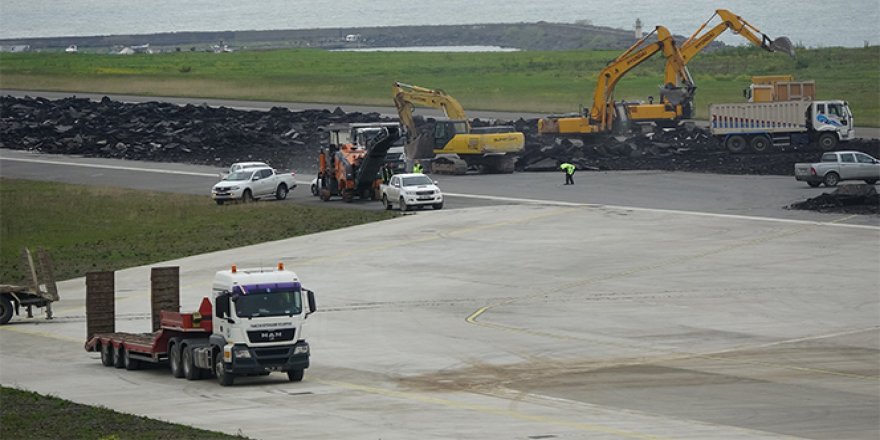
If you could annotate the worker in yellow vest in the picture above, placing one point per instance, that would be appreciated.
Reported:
(569, 172)
(417, 168)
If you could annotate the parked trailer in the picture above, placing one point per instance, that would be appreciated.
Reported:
(253, 326)
(762, 125)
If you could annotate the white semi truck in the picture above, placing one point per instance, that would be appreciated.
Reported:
(253, 326)
(765, 125)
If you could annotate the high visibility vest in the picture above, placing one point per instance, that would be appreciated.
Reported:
(568, 168)
(417, 168)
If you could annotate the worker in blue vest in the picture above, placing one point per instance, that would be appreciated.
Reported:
(568, 169)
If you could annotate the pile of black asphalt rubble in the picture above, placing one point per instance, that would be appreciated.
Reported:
(291, 140)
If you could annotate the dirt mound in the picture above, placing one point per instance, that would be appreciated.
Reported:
(846, 199)
(286, 139)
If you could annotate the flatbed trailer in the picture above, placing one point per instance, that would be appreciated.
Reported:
(129, 350)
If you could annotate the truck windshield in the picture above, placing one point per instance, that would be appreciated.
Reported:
(416, 180)
(269, 302)
(239, 175)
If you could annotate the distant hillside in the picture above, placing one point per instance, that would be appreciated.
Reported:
(525, 36)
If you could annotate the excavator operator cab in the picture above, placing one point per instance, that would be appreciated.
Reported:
(444, 131)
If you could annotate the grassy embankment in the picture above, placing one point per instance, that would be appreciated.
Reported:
(29, 415)
(532, 81)
(88, 228)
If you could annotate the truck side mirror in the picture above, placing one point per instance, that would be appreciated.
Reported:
(313, 306)
(222, 305)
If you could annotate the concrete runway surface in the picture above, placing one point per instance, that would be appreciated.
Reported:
(531, 321)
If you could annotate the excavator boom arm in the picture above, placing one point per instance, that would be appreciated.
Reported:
(407, 96)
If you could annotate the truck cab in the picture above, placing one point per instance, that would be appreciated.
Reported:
(834, 117)
(259, 321)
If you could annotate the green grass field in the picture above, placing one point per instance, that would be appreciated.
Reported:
(533, 81)
(28, 415)
(88, 228)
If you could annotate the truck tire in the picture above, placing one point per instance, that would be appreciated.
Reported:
(247, 196)
(437, 205)
(219, 202)
(190, 371)
(814, 184)
(119, 357)
(225, 379)
(827, 141)
(386, 203)
(870, 181)
(325, 195)
(760, 144)
(403, 206)
(107, 355)
(281, 192)
(831, 179)
(130, 364)
(5, 309)
(174, 358)
(736, 143)
(296, 375)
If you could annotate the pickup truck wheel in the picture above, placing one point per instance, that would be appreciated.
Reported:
(219, 202)
(107, 355)
(437, 205)
(130, 364)
(736, 143)
(247, 197)
(385, 202)
(225, 379)
(828, 141)
(403, 206)
(118, 357)
(5, 309)
(870, 181)
(174, 358)
(314, 190)
(295, 375)
(814, 184)
(831, 179)
(190, 372)
(760, 144)
(281, 192)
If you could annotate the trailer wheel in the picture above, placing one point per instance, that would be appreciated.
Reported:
(174, 358)
(130, 364)
(295, 375)
(107, 355)
(5, 309)
(190, 371)
(118, 357)
(225, 379)
(736, 143)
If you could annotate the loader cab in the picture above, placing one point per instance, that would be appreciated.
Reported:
(444, 131)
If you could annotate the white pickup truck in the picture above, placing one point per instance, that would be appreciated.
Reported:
(410, 191)
(250, 184)
(837, 166)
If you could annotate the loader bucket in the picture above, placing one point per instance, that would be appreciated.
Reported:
(782, 44)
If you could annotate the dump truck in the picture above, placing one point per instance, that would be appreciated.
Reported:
(253, 324)
(34, 294)
(765, 125)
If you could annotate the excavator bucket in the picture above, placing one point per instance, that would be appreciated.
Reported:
(782, 44)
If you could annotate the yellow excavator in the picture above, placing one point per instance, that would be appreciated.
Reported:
(456, 144)
(677, 92)
(603, 116)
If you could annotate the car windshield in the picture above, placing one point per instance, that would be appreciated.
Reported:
(269, 302)
(239, 175)
(416, 180)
